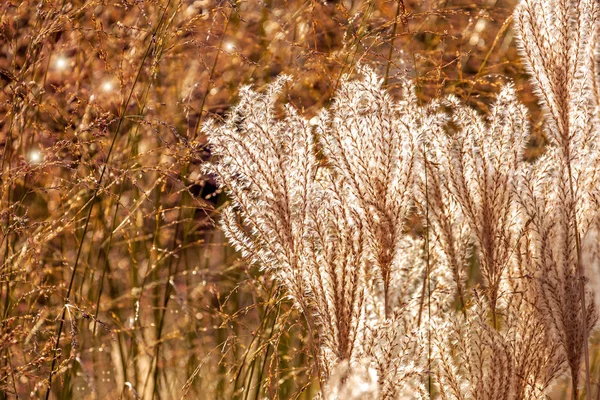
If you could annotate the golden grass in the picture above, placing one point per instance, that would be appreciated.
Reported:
(113, 280)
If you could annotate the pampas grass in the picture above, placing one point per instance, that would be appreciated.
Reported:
(323, 205)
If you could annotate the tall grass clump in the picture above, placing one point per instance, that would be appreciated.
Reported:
(425, 227)
(318, 235)
(373, 215)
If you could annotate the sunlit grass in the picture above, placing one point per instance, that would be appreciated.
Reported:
(107, 217)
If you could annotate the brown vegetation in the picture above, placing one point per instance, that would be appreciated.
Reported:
(114, 281)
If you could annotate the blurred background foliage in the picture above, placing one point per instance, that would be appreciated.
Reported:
(107, 220)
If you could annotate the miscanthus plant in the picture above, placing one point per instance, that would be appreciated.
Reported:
(322, 206)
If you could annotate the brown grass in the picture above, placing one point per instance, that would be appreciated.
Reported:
(113, 280)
